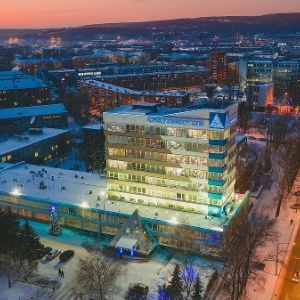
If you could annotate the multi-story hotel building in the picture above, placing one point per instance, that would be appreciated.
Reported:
(180, 161)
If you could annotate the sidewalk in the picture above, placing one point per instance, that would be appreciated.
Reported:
(275, 270)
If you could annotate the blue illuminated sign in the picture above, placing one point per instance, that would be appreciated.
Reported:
(174, 121)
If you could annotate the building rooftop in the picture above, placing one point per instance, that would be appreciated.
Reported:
(25, 139)
(122, 90)
(30, 111)
(188, 112)
(15, 80)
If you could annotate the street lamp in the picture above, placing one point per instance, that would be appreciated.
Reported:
(277, 251)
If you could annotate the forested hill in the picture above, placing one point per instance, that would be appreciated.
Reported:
(227, 25)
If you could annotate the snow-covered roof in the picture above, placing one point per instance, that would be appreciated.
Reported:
(89, 190)
(41, 110)
(66, 186)
(22, 82)
(126, 243)
(123, 90)
(25, 139)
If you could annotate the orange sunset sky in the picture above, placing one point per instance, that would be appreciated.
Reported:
(58, 13)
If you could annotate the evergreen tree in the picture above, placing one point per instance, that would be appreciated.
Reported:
(175, 289)
(9, 231)
(29, 242)
(197, 289)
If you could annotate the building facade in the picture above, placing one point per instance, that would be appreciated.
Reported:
(180, 160)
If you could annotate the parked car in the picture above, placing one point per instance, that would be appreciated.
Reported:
(295, 206)
(66, 255)
(297, 193)
(295, 276)
(139, 288)
(53, 253)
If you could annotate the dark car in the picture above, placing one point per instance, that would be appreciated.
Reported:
(66, 255)
(138, 288)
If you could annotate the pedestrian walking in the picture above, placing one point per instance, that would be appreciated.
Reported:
(62, 274)
(59, 272)
(292, 221)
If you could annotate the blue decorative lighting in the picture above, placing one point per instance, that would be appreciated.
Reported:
(174, 121)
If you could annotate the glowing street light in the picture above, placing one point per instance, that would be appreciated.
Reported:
(16, 192)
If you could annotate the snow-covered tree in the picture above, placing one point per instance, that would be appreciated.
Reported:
(175, 289)
(196, 295)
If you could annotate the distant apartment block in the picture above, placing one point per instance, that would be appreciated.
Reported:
(83, 61)
(18, 89)
(259, 95)
(158, 80)
(269, 68)
(104, 96)
(217, 64)
(32, 65)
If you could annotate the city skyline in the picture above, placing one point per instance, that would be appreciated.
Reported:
(45, 14)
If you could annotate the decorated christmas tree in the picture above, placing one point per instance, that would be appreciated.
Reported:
(55, 228)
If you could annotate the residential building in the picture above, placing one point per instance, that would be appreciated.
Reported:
(18, 120)
(18, 90)
(104, 96)
(259, 95)
(37, 146)
(93, 139)
(217, 64)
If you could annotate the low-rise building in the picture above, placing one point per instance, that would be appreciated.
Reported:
(37, 146)
(20, 119)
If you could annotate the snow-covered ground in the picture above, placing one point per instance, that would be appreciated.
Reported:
(153, 273)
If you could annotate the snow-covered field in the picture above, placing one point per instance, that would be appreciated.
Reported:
(153, 273)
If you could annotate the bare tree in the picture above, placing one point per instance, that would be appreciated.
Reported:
(97, 275)
(240, 252)
(285, 162)
(189, 273)
(13, 267)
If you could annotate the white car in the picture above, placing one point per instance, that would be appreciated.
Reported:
(53, 253)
